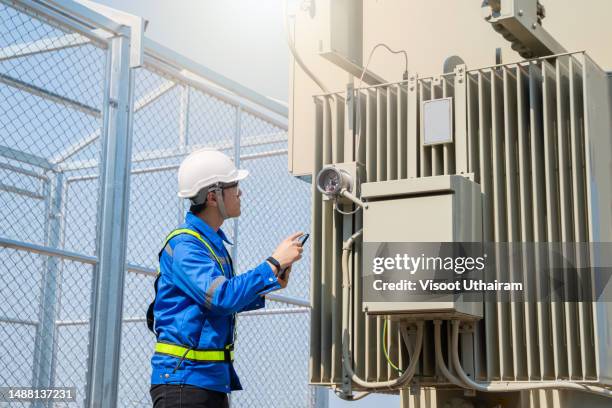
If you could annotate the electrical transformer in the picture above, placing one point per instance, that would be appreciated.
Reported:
(510, 154)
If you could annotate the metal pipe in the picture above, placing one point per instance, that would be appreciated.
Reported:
(60, 293)
(51, 281)
(83, 322)
(285, 310)
(203, 78)
(346, 357)
(271, 153)
(17, 321)
(77, 147)
(157, 93)
(172, 167)
(27, 158)
(73, 256)
(39, 249)
(21, 191)
(43, 45)
(46, 94)
(111, 235)
(516, 385)
(288, 300)
(141, 270)
(143, 102)
(25, 172)
(237, 135)
(71, 16)
(178, 152)
(347, 194)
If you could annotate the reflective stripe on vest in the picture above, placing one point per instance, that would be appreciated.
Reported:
(182, 352)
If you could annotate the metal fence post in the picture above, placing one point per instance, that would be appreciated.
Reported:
(183, 138)
(109, 273)
(234, 255)
(45, 332)
(237, 132)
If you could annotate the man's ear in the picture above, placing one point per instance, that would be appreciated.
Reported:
(212, 199)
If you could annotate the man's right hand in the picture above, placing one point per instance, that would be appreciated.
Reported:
(289, 250)
(284, 280)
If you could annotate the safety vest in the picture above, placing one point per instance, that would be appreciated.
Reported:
(177, 350)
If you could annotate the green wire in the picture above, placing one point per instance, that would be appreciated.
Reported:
(399, 370)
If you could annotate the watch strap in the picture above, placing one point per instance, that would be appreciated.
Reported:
(274, 262)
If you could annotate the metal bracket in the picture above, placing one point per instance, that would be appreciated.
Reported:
(350, 106)
(466, 327)
(520, 22)
(137, 26)
(346, 383)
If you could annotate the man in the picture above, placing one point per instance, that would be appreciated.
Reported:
(198, 294)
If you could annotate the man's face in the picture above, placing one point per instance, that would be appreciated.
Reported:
(231, 199)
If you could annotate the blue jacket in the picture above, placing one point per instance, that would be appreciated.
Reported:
(195, 306)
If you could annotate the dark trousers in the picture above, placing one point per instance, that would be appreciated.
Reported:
(186, 396)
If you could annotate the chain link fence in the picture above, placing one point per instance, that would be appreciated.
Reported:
(51, 87)
(53, 81)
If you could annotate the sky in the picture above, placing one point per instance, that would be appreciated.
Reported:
(243, 40)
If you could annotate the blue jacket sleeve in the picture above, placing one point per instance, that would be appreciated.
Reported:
(198, 275)
(258, 303)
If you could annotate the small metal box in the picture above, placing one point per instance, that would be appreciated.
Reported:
(430, 209)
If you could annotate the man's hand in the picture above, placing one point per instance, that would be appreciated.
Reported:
(283, 282)
(289, 250)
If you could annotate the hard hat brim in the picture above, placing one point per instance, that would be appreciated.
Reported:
(242, 174)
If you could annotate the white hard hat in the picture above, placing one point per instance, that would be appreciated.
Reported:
(204, 168)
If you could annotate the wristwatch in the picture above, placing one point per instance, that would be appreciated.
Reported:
(276, 264)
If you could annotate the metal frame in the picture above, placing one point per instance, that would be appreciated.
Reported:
(46, 331)
(179, 152)
(156, 55)
(88, 27)
(109, 273)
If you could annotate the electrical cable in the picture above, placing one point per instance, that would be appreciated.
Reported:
(365, 69)
(358, 93)
(336, 208)
(294, 52)
(384, 342)
(346, 355)
(440, 359)
(515, 386)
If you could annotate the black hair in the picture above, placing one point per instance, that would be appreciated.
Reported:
(197, 208)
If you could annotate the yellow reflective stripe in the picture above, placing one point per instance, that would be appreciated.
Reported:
(198, 355)
(199, 237)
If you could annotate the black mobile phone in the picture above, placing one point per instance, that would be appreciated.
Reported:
(303, 240)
